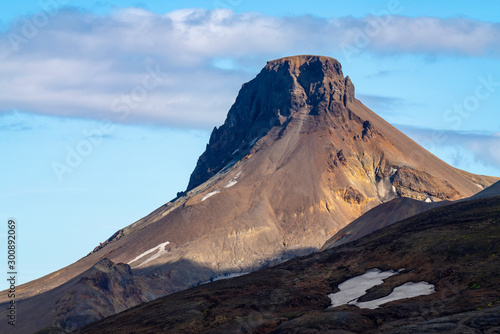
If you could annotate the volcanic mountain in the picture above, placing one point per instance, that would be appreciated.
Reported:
(297, 159)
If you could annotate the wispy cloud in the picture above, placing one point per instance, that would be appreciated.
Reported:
(18, 127)
(382, 73)
(481, 147)
(79, 63)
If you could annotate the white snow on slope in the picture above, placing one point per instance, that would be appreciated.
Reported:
(157, 248)
(230, 183)
(356, 287)
(233, 181)
(407, 290)
(352, 289)
(210, 195)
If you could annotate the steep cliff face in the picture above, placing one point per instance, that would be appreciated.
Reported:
(297, 159)
(283, 88)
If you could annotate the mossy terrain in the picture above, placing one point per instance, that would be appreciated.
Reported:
(52, 330)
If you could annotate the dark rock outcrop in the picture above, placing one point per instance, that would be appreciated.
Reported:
(103, 290)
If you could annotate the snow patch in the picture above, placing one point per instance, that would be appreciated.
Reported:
(352, 289)
(210, 195)
(158, 254)
(480, 186)
(428, 200)
(253, 141)
(407, 290)
(356, 287)
(233, 181)
(235, 151)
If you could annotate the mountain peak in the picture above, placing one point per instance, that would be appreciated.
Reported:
(285, 87)
(320, 77)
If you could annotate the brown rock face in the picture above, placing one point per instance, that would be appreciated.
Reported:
(393, 211)
(413, 184)
(297, 159)
(352, 196)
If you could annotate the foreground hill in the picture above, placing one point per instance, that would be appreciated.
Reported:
(455, 248)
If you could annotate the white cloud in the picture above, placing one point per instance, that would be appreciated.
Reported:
(426, 35)
(78, 64)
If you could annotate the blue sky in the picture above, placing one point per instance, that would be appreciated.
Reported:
(105, 106)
